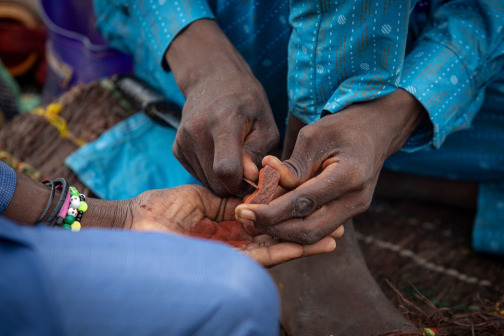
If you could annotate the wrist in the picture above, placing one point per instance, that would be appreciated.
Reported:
(393, 119)
(200, 51)
(408, 113)
(107, 214)
(29, 201)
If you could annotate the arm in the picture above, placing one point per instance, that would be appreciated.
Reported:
(177, 210)
(227, 125)
(24, 200)
(356, 141)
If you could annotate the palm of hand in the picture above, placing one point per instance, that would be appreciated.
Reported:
(195, 211)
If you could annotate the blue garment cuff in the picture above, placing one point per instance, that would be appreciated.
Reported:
(434, 75)
(166, 21)
(8, 180)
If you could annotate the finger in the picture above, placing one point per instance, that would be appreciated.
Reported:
(262, 238)
(300, 202)
(227, 208)
(188, 159)
(328, 244)
(227, 160)
(338, 233)
(279, 192)
(250, 170)
(321, 223)
(278, 253)
(305, 161)
(263, 138)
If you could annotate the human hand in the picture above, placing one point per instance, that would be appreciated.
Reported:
(349, 148)
(195, 211)
(227, 126)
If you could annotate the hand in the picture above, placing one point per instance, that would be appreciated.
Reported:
(350, 148)
(227, 126)
(181, 211)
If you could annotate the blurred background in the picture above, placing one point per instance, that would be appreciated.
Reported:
(47, 47)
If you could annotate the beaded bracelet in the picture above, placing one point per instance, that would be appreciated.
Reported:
(59, 183)
(76, 207)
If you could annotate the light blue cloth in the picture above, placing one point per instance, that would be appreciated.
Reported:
(130, 158)
(111, 282)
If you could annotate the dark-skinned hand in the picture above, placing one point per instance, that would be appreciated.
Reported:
(227, 125)
(175, 211)
(178, 210)
(348, 148)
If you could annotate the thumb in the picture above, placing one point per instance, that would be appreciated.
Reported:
(301, 166)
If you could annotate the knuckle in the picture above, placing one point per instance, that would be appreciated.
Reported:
(274, 138)
(220, 191)
(310, 237)
(365, 203)
(192, 127)
(175, 150)
(298, 168)
(304, 206)
(226, 170)
(305, 136)
(358, 177)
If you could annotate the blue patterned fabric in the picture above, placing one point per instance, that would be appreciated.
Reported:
(111, 282)
(8, 180)
(459, 53)
(317, 57)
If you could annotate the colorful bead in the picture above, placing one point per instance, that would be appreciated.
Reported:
(74, 192)
(67, 226)
(83, 206)
(72, 212)
(82, 197)
(76, 226)
(75, 202)
(69, 219)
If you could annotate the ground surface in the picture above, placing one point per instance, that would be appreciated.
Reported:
(428, 247)
(422, 248)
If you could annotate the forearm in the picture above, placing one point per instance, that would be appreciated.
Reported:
(401, 115)
(31, 197)
(201, 50)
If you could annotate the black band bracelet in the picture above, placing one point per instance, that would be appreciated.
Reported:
(64, 192)
(48, 205)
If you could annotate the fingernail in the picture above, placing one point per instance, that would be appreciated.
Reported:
(246, 222)
(247, 214)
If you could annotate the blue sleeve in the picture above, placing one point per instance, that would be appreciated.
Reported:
(341, 53)
(8, 180)
(458, 54)
(138, 27)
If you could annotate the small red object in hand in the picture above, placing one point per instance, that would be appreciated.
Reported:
(268, 183)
